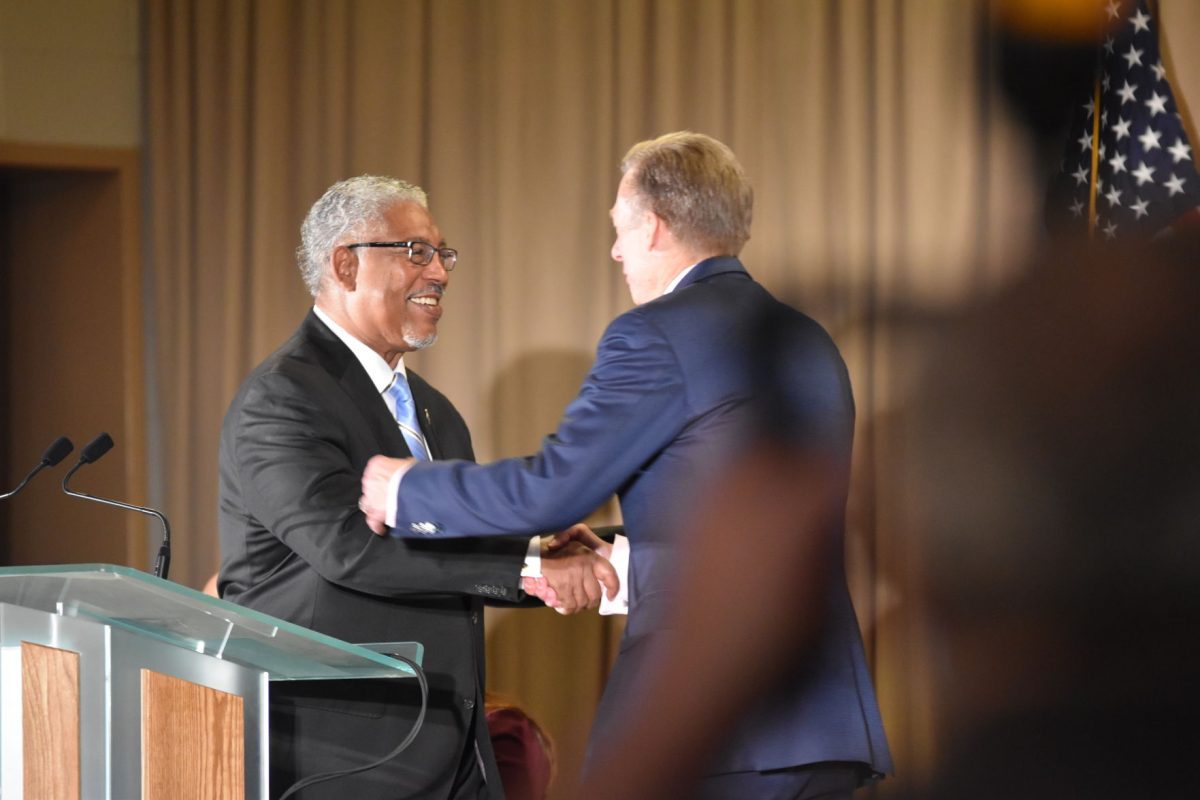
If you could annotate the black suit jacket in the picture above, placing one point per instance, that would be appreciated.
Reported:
(293, 447)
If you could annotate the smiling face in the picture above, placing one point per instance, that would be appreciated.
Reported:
(389, 303)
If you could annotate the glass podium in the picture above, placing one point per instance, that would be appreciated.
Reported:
(134, 646)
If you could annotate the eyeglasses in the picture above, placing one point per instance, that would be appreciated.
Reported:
(419, 253)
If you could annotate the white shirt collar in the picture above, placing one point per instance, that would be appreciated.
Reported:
(378, 370)
(675, 282)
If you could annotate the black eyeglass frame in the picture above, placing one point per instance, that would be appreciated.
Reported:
(448, 255)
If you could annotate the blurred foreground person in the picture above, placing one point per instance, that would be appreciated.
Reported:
(1052, 467)
(1054, 474)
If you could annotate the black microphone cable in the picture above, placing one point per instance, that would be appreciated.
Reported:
(304, 783)
(55, 453)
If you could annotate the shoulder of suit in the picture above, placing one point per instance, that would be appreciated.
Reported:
(720, 293)
(646, 318)
(299, 357)
(303, 360)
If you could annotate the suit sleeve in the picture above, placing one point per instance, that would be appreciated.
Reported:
(633, 403)
(291, 460)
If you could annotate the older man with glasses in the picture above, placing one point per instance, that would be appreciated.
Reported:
(295, 543)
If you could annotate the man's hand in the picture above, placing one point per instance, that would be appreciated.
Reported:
(375, 482)
(584, 535)
(540, 588)
(575, 574)
(580, 532)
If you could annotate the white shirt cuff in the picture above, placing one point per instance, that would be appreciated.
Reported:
(393, 496)
(620, 561)
(533, 559)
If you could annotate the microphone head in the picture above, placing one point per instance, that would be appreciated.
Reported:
(96, 448)
(57, 451)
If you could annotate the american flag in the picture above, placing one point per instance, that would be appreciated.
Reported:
(1136, 169)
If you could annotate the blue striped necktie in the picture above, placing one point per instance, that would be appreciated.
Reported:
(405, 411)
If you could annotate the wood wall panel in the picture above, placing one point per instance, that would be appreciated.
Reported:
(71, 322)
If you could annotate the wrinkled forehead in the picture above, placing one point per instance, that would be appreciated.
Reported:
(408, 220)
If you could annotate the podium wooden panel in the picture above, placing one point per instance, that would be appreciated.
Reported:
(87, 741)
(50, 721)
(116, 684)
(210, 721)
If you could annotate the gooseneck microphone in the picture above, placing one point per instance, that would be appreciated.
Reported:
(94, 451)
(55, 453)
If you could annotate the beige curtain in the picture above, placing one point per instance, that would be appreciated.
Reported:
(882, 174)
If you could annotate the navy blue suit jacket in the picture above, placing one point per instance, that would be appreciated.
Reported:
(669, 395)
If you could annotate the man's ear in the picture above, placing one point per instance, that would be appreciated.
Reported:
(345, 268)
(657, 232)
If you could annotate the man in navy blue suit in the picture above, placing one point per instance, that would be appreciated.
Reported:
(669, 401)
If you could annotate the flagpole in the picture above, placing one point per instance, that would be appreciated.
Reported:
(1095, 152)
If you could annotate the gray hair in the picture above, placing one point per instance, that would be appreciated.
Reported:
(346, 207)
(696, 185)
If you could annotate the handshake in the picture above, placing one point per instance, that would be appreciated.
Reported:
(575, 563)
(575, 569)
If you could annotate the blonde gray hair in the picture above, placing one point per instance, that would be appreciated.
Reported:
(696, 185)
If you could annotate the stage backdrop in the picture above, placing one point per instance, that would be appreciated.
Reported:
(883, 174)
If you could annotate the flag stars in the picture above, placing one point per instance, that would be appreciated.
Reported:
(1140, 21)
(1133, 57)
(1121, 128)
(1157, 104)
(1118, 163)
(1139, 208)
(1113, 9)
(1160, 72)
(1149, 139)
(1085, 141)
(1110, 230)
(1144, 173)
(1080, 175)
(1090, 107)
(1175, 185)
(1127, 92)
(1106, 81)
(1113, 196)
(1077, 209)
(1180, 151)
(1109, 44)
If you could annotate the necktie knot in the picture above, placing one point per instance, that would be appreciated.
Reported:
(405, 412)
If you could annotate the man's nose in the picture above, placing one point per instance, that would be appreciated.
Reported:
(436, 271)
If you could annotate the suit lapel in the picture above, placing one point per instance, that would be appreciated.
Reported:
(422, 395)
(354, 381)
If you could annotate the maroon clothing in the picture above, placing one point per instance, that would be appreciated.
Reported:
(521, 754)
